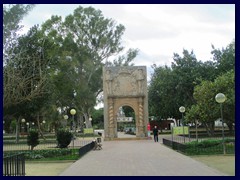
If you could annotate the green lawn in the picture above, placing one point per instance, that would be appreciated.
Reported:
(225, 164)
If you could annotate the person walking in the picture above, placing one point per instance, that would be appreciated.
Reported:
(155, 133)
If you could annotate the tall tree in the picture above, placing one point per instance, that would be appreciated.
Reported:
(12, 16)
(87, 40)
(161, 93)
(208, 109)
(185, 70)
(224, 58)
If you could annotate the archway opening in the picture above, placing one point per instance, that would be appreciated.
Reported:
(126, 122)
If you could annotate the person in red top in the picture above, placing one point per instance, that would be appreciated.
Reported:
(155, 133)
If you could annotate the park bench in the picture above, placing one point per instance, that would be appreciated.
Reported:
(98, 145)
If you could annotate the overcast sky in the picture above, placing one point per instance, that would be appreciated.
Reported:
(159, 30)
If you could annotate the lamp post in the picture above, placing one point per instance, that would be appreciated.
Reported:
(90, 119)
(196, 123)
(73, 112)
(27, 123)
(23, 121)
(43, 124)
(182, 110)
(220, 98)
(33, 125)
(65, 117)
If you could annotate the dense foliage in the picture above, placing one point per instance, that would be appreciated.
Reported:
(58, 66)
(194, 84)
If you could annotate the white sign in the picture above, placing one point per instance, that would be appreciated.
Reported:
(124, 119)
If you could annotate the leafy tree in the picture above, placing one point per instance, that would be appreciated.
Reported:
(204, 95)
(224, 58)
(27, 85)
(208, 109)
(162, 87)
(85, 40)
(185, 70)
(12, 16)
(226, 84)
(173, 87)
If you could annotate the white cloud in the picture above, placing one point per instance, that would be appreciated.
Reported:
(159, 30)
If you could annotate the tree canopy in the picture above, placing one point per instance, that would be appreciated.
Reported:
(58, 65)
(194, 84)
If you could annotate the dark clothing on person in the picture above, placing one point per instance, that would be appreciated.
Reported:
(155, 134)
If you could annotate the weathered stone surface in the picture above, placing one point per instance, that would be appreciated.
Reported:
(125, 86)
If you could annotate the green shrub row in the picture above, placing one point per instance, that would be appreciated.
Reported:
(208, 147)
(46, 154)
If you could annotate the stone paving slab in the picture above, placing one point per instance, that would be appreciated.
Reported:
(137, 158)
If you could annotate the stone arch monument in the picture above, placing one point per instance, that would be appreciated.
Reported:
(125, 86)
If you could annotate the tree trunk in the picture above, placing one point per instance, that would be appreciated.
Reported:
(230, 127)
(208, 129)
(17, 130)
(88, 123)
(39, 127)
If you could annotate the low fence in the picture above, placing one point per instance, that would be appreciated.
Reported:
(174, 145)
(83, 150)
(14, 165)
(22, 145)
(204, 146)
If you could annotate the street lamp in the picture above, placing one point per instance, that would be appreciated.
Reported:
(33, 125)
(220, 98)
(27, 123)
(182, 110)
(43, 124)
(65, 117)
(90, 119)
(23, 121)
(73, 112)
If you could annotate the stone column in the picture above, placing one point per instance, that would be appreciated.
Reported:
(111, 125)
(109, 79)
(140, 118)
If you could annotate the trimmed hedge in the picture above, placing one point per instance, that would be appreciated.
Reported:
(209, 147)
(44, 154)
(64, 138)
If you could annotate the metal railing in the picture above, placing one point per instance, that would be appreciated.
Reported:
(83, 150)
(14, 165)
(203, 146)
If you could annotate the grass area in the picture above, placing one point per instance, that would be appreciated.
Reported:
(223, 163)
(53, 168)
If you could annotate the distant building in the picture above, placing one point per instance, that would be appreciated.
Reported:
(218, 123)
(161, 124)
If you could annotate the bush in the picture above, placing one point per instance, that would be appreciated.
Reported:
(64, 138)
(32, 139)
(209, 147)
(50, 154)
(204, 144)
(43, 154)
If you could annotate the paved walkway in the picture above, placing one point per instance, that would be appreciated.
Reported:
(137, 158)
